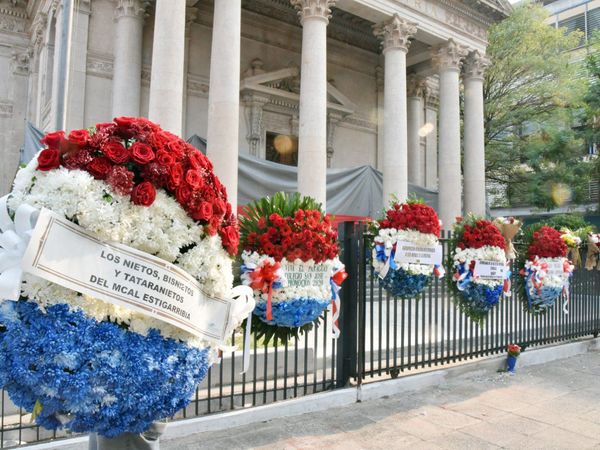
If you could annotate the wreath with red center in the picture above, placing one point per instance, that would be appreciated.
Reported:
(412, 215)
(135, 157)
(547, 243)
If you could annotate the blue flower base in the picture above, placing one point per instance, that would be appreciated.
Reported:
(292, 313)
(402, 284)
(93, 376)
(479, 299)
(511, 363)
(544, 299)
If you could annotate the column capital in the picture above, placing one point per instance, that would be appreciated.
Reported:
(313, 9)
(448, 55)
(432, 94)
(415, 85)
(131, 8)
(475, 65)
(395, 33)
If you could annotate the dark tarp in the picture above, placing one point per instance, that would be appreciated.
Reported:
(350, 192)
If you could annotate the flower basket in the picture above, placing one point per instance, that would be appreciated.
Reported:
(406, 251)
(547, 271)
(88, 362)
(290, 260)
(479, 264)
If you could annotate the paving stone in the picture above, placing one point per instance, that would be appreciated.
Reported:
(458, 440)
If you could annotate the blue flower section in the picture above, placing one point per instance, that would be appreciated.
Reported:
(93, 376)
(292, 313)
(543, 298)
(479, 299)
(402, 284)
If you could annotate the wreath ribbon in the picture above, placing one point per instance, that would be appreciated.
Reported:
(336, 284)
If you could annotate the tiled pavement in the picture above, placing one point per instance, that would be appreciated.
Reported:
(553, 405)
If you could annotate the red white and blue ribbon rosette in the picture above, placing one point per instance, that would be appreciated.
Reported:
(547, 271)
(481, 273)
(407, 253)
(86, 363)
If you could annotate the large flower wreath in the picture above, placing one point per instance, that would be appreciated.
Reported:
(546, 271)
(87, 364)
(409, 225)
(479, 264)
(290, 259)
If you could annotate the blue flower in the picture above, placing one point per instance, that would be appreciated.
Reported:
(93, 376)
(542, 299)
(292, 313)
(402, 284)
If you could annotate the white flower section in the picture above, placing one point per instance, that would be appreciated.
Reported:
(485, 253)
(163, 229)
(287, 292)
(390, 236)
(551, 278)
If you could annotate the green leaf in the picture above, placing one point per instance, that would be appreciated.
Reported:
(37, 409)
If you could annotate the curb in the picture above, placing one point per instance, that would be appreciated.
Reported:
(343, 397)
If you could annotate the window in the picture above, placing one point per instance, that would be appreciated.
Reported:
(282, 148)
(575, 23)
(593, 21)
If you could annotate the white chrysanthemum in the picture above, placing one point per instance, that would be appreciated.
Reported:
(485, 253)
(162, 229)
(390, 236)
(552, 278)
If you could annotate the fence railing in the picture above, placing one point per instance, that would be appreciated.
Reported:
(380, 336)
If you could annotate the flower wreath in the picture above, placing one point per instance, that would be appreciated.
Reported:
(408, 223)
(479, 264)
(290, 259)
(83, 363)
(546, 270)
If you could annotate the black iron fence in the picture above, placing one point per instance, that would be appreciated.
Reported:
(381, 337)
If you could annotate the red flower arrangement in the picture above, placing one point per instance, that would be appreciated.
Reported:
(412, 216)
(135, 157)
(481, 233)
(547, 243)
(289, 227)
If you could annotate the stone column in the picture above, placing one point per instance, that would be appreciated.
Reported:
(224, 95)
(447, 58)
(379, 86)
(190, 17)
(312, 139)
(127, 71)
(395, 34)
(166, 76)
(474, 154)
(416, 86)
(431, 134)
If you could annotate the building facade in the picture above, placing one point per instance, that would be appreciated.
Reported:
(312, 83)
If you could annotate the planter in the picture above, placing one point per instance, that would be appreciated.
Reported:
(511, 363)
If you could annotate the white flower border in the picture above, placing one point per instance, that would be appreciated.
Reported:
(485, 253)
(547, 280)
(286, 293)
(390, 236)
(161, 229)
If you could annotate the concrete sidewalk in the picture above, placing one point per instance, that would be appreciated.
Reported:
(552, 405)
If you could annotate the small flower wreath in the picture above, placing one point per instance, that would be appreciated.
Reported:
(545, 270)
(406, 224)
(290, 259)
(479, 266)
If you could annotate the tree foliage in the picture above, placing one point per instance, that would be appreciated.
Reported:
(532, 92)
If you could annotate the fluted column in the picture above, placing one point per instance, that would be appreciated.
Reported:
(432, 104)
(224, 94)
(448, 59)
(312, 139)
(127, 71)
(474, 154)
(416, 87)
(395, 34)
(166, 78)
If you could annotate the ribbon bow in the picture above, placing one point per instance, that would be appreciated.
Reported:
(386, 254)
(14, 238)
(336, 284)
(264, 278)
(242, 309)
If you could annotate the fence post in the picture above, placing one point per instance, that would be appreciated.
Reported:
(346, 344)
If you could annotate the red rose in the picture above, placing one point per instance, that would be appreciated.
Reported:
(204, 211)
(219, 208)
(164, 158)
(194, 179)
(142, 153)
(143, 194)
(125, 125)
(79, 137)
(48, 159)
(116, 152)
(183, 194)
(99, 168)
(52, 140)
(230, 236)
(198, 160)
(175, 176)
